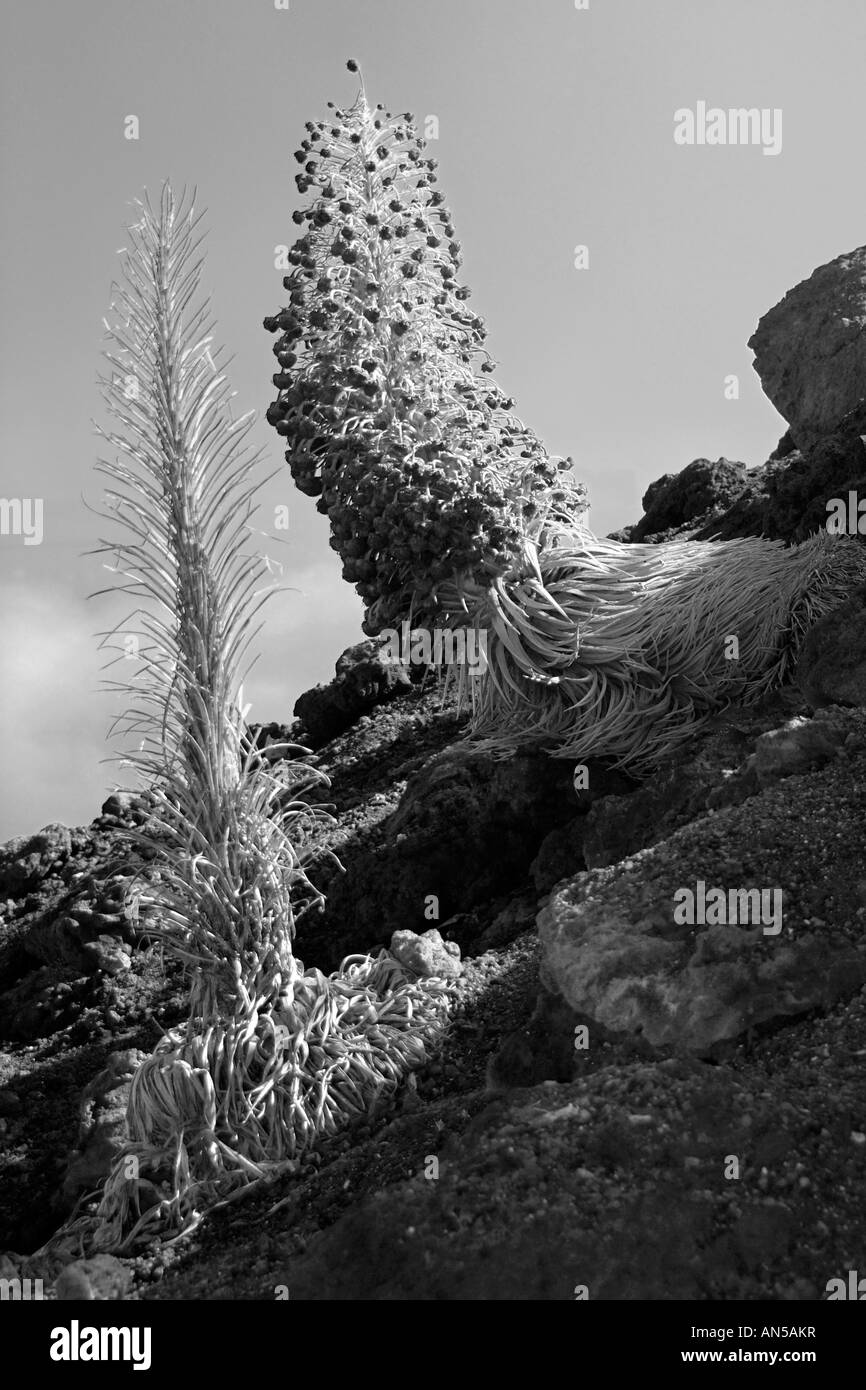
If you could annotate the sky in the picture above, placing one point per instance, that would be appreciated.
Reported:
(556, 130)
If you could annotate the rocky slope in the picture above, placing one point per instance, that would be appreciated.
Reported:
(600, 1165)
(628, 1103)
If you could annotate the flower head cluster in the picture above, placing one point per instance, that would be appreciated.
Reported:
(386, 401)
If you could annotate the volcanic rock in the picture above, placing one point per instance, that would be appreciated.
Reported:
(832, 664)
(102, 1131)
(615, 953)
(363, 680)
(108, 955)
(427, 955)
(27, 859)
(799, 746)
(102, 1277)
(810, 349)
(701, 491)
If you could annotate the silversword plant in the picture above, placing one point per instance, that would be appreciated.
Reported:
(271, 1056)
(440, 500)
(386, 401)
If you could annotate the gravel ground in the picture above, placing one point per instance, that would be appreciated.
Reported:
(615, 1180)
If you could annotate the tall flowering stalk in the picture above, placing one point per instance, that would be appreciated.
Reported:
(183, 487)
(271, 1057)
(385, 399)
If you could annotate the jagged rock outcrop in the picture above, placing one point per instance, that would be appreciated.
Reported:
(800, 487)
(810, 354)
(28, 859)
(693, 499)
(810, 349)
(785, 498)
(363, 680)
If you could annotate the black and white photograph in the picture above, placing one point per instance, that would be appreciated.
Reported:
(433, 641)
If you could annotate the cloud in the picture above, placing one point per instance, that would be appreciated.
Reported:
(53, 720)
(56, 716)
